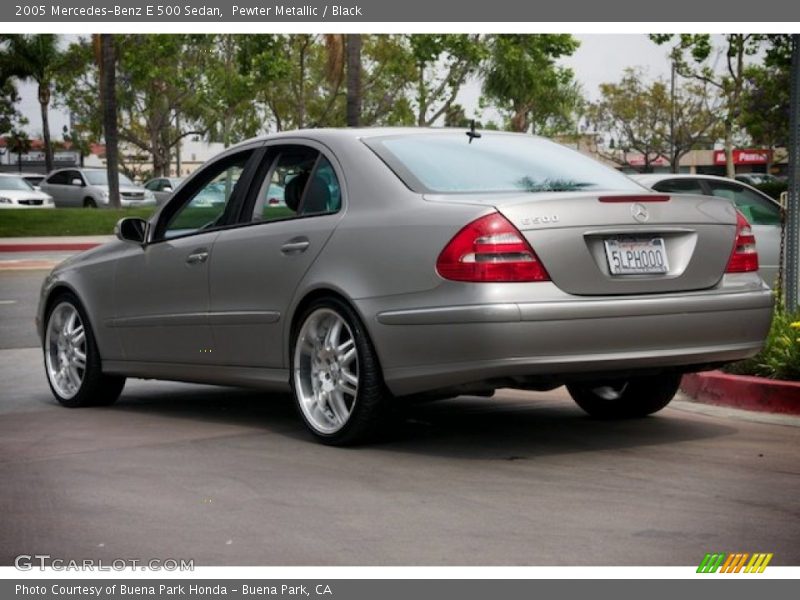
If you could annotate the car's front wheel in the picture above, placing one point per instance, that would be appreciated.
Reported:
(336, 378)
(71, 359)
(625, 398)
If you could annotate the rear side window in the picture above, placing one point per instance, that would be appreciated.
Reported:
(757, 209)
(451, 163)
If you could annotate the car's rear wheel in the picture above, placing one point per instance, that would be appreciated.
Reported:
(89, 203)
(71, 359)
(625, 398)
(336, 378)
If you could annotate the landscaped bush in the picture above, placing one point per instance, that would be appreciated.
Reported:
(773, 189)
(780, 358)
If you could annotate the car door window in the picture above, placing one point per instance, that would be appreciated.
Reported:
(74, 175)
(58, 178)
(206, 206)
(680, 186)
(756, 209)
(302, 182)
(153, 185)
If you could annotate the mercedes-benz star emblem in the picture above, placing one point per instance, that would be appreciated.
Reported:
(639, 212)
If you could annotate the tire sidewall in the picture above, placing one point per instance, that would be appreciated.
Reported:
(366, 357)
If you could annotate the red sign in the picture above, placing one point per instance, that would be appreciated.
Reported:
(744, 157)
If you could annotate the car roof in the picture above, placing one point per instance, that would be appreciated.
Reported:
(325, 133)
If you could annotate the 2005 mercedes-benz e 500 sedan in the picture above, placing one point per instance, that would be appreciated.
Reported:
(407, 264)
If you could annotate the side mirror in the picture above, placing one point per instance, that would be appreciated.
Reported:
(167, 188)
(77, 181)
(131, 229)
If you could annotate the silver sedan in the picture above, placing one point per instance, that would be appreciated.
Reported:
(408, 264)
(761, 211)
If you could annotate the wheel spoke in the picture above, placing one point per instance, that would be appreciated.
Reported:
(338, 406)
(332, 336)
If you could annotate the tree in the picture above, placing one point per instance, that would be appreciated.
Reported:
(636, 115)
(691, 56)
(522, 79)
(353, 50)
(443, 62)
(765, 103)
(158, 80)
(10, 117)
(18, 143)
(35, 58)
(108, 99)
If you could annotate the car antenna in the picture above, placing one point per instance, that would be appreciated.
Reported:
(472, 134)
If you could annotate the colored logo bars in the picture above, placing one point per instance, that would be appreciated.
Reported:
(734, 563)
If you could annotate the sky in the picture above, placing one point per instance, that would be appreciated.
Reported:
(599, 59)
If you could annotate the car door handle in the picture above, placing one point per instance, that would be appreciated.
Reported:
(295, 246)
(197, 256)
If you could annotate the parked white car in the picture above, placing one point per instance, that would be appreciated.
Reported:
(15, 192)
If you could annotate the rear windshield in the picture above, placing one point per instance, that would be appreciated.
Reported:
(449, 163)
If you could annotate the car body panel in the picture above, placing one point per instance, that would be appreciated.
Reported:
(155, 315)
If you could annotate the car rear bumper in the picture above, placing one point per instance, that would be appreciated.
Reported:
(428, 348)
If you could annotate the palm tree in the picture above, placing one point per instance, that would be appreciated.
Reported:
(353, 49)
(105, 55)
(33, 58)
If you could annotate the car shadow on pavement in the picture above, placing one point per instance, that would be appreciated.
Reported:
(510, 426)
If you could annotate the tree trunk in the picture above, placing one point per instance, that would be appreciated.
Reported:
(353, 80)
(108, 92)
(44, 104)
(730, 168)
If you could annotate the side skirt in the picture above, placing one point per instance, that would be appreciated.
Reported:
(255, 377)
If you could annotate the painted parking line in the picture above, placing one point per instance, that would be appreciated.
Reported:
(26, 265)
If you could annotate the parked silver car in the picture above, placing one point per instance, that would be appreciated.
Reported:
(761, 211)
(89, 188)
(162, 187)
(409, 264)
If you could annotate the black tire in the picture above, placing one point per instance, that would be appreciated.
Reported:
(96, 389)
(371, 410)
(625, 399)
(89, 203)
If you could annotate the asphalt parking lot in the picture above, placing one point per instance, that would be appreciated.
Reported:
(229, 477)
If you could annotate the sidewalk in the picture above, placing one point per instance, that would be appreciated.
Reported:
(52, 244)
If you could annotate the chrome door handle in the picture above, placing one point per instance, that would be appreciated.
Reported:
(197, 256)
(295, 246)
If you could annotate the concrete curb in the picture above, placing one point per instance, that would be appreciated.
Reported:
(743, 391)
(48, 247)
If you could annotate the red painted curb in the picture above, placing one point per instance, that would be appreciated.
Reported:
(743, 391)
(47, 247)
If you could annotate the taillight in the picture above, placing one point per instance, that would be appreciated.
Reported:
(490, 249)
(744, 257)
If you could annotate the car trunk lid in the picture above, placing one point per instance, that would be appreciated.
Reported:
(583, 238)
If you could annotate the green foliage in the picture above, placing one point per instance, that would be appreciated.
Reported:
(443, 62)
(64, 221)
(773, 189)
(765, 105)
(524, 82)
(644, 118)
(780, 358)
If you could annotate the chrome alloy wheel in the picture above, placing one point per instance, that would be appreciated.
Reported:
(611, 392)
(326, 370)
(65, 350)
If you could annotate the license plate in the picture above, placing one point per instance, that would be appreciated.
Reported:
(636, 256)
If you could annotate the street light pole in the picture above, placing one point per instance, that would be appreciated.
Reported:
(792, 273)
